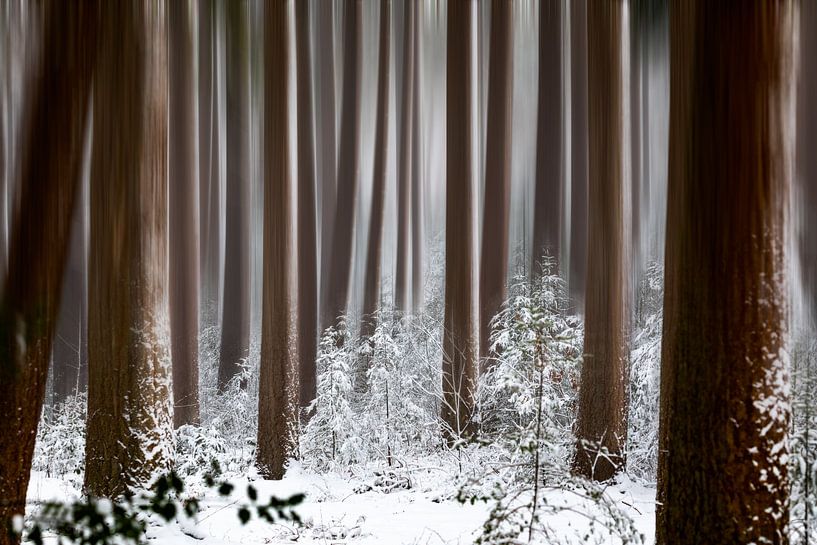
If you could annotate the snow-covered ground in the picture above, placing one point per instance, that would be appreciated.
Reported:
(338, 511)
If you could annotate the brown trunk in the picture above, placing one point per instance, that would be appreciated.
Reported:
(578, 160)
(724, 405)
(404, 156)
(129, 433)
(635, 137)
(602, 415)
(235, 319)
(806, 142)
(277, 390)
(494, 255)
(307, 235)
(371, 293)
(184, 218)
(70, 356)
(459, 336)
(417, 279)
(50, 170)
(548, 198)
(326, 141)
(209, 198)
(340, 265)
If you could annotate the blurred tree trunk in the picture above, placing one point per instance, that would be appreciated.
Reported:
(602, 414)
(51, 159)
(547, 211)
(417, 278)
(70, 355)
(494, 255)
(404, 158)
(724, 371)
(307, 233)
(340, 265)
(636, 179)
(459, 335)
(806, 142)
(277, 390)
(326, 141)
(209, 193)
(579, 158)
(130, 425)
(235, 320)
(184, 217)
(381, 141)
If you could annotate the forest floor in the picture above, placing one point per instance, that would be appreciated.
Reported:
(342, 509)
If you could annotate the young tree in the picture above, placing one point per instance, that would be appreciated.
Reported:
(547, 209)
(130, 428)
(459, 336)
(235, 319)
(494, 256)
(307, 230)
(578, 145)
(277, 389)
(723, 445)
(601, 428)
(184, 217)
(372, 282)
(404, 159)
(340, 265)
(51, 158)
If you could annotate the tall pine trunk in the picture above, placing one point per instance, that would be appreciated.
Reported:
(184, 217)
(340, 263)
(417, 230)
(371, 293)
(494, 255)
(806, 140)
(404, 159)
(602, 413)
(235, 319)
(578, 145)
(277, 389)
(547, 210)
(307, 229)
(460, 350)
(129, 431)
(49, 175)
(723, 445)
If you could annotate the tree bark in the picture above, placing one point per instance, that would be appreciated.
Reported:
(494, 255)
(725, 413)
(184, 218)
(49, 173)
(235, 320)
(381, 141)
(307, 231)
(404, 159)
(579, 158)
(547, 210)
(459, 336)
(278, 390)
(806, 140)
(209, 193)
(340, 266)
(602, 414)
(129, 435)
(417, 241)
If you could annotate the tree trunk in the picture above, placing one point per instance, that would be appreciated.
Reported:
(417, 277)
(459, 336)
(307, 231)
(50, 170)
(209, 194)
(404, 159)
(547, 210)
(381, 141)
(129, 433)
(184, 218)
(494, 255)
(326, 141)
(806, 141)
(235, 320)
(277, 390)
(578, 139)
(725, 412)
(602, 414)
(340, 266)
(635, 137)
